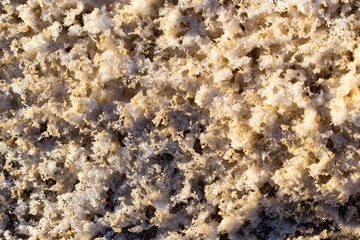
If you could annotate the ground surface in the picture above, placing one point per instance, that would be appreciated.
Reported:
(170, 119)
